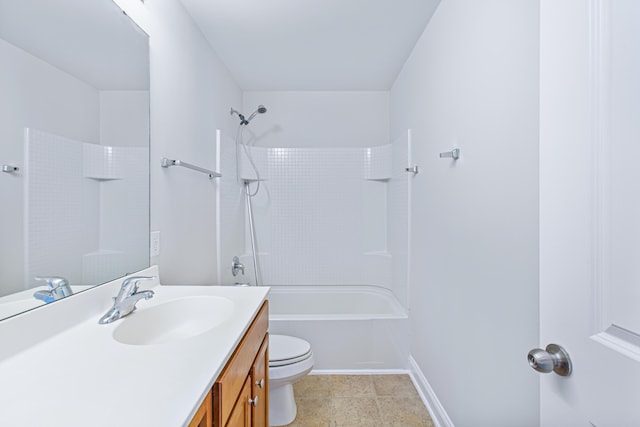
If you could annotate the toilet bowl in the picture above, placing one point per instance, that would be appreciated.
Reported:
(290, 359)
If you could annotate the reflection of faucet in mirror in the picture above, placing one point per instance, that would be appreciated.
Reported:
(58, 288)
(125, 302)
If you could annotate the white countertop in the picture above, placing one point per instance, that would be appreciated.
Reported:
(82, 376)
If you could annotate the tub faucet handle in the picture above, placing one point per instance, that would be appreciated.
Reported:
(237, 266)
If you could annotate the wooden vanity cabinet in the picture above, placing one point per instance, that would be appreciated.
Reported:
(259, 383)
(240, 394)
(241, 413)
(204, 414)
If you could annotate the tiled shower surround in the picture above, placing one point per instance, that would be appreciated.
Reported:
(323, 215)
(85, 218)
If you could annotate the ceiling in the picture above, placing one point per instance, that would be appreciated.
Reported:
(91, 40)
(312, 44)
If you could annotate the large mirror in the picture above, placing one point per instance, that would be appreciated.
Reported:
(74, 149)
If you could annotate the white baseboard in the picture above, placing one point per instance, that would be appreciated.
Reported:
(428, 396)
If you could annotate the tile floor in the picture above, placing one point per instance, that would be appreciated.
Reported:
(359, 400)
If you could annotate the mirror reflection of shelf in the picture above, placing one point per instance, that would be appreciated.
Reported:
(103, 163)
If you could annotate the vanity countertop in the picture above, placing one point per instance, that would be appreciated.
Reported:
(82, 376)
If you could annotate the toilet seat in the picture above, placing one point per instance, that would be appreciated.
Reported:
(290, 359)
(286, 350)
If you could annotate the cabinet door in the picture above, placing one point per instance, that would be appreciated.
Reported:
(204, 415)
(228, 385)
(241, 414)
(260, 385)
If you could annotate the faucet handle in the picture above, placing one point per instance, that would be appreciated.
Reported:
(237, 266)
(130, 285)
(53, 282)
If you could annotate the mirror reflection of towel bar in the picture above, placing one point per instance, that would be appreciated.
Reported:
(412, 169)
(453, 154)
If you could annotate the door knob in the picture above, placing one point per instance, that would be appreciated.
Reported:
(553, 358)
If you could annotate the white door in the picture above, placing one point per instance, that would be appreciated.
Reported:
(590, 210)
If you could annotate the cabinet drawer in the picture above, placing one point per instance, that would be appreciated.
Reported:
(232, 379)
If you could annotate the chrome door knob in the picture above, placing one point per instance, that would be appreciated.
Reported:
(553, 358)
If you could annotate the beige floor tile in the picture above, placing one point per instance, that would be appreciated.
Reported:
(404, 412)
(356, 412)
(359, 401)
(394, 385)
(318, 386)
(312, 412)
(352, 386)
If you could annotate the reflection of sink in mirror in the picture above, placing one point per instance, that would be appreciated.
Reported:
(174, 320)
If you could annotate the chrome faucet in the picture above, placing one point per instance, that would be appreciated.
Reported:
(58, 288)
(125, 302)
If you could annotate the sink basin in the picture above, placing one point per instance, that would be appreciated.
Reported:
(174, 320)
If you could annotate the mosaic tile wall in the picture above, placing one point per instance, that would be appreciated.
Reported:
(87, 216)
(322, 214)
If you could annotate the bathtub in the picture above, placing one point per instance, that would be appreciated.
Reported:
(350, 328)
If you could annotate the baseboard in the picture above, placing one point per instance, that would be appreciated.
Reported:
(428, 396)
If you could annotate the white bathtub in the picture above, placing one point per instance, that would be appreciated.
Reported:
(349, 327)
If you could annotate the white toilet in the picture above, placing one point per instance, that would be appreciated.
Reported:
(290, 359)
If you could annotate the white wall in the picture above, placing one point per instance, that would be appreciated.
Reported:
(191, 93)
(472, 82)
(35, 95)
(318, 119)
(124, 118)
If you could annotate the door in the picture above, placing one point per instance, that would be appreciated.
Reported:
(590, 209)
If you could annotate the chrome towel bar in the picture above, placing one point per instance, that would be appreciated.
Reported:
(165, 163)
(454, 154)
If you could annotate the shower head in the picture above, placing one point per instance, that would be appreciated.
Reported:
(261, 110)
